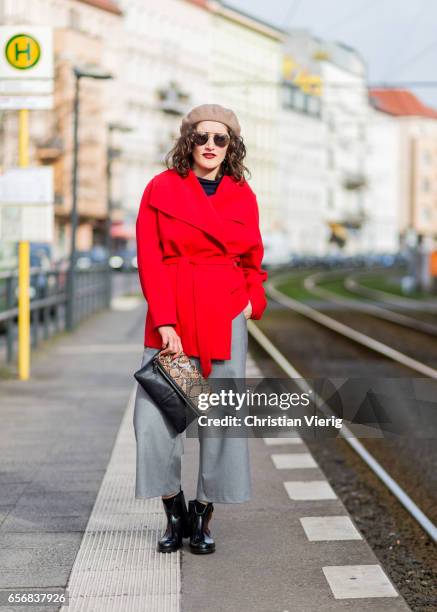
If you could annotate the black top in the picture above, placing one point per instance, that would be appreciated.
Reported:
(209, 185)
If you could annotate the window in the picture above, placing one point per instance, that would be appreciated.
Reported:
(313, 105)
(426, 215)
(299, 100)
(426, 156)
(74, 20)
(61, 236)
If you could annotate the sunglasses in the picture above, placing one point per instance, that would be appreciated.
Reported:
(201, 138)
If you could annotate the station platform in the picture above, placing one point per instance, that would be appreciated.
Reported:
(69, 518)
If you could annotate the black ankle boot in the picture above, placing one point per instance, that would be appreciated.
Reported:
(177, 523)
(200, 514)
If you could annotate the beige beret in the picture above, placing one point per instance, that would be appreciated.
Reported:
(211, 112)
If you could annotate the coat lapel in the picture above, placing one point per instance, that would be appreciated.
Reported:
(185, 199)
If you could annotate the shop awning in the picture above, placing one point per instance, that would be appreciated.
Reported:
(123, 230)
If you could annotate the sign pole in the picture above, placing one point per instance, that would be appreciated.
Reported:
(71, 278)
(27, 78)
(23, 263)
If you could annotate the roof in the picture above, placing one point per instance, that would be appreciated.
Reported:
(202, 3)
(400, 102)
(252, 17)
(232, 12)
(105, 5)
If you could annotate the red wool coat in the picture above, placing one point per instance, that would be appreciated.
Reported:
(199, 261)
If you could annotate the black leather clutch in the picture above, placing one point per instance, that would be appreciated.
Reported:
(174, 385)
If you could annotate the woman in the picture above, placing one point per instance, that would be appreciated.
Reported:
(199, 254)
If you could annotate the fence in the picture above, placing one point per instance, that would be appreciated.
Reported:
(48, 303)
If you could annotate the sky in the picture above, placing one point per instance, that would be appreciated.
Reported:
(396, 38)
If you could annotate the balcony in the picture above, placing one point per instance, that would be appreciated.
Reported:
(49, 151)
(346, 218)
(354, 180)
(354, 221)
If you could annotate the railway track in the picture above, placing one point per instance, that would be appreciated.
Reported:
(370, 308)
(352, 284)
(371, 344)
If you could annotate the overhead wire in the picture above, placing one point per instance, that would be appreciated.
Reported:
(410, 29)
(417, 56)
(291, 12)
(351, 15)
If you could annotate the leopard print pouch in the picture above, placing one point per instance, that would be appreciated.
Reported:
(184, 377)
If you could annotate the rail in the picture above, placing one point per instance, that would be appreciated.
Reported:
(271, 288)
(48, 302)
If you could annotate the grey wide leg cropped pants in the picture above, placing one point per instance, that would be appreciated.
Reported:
(224, 464)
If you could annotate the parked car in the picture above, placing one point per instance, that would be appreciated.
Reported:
(40, 283)
(85, 259)
(124, 260)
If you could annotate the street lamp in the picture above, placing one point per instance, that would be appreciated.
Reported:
(79, 74)
(111, 154)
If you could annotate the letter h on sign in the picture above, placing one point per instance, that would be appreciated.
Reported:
(26, 51)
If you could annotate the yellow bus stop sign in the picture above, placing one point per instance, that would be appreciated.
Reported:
(22, 51)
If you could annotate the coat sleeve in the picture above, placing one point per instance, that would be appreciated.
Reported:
(255, 276)
(153, 273)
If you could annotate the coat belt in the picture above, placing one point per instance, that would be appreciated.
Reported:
(201, 300)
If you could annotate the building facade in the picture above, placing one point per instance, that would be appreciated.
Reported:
(416, 131)
(244, 74)
(184, 53)
(332, 77)
(164, 49)
(303, 147)
(334, 170)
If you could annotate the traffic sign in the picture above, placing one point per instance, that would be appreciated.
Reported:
(28, 102)
(26, 67)
(27, 186)
(27, 222)
(22, 51)
(26, 204)
(27, 52)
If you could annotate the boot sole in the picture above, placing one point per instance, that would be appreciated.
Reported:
(169, 550)
(198, 551)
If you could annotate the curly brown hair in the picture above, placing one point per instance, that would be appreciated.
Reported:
(180, 157)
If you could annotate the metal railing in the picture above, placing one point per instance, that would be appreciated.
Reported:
(48, 303)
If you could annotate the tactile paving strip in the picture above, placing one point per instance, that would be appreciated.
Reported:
(117, 566)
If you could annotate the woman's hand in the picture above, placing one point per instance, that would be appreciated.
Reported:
(171, 342)
(248, 310)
